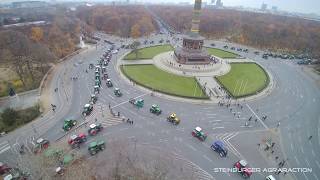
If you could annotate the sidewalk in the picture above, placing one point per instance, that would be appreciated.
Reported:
(20, 101)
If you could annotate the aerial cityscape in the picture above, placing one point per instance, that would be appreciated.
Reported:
(143, 90)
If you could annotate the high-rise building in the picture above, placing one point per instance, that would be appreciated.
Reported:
(213, 1)
(264, 7)
(219, 3)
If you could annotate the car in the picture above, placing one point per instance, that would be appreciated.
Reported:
(233, 48)
(68, 124)
(265, 56)
(256, 52)
(155, 109)
(212, 44)
(96, 146)
(226, 47)
(243, 169)
(40, 145)
(270, 177)
(87, 109)
(94, 129)
(173, 119)
(198, 133)
(114, 51)
(117, 92)
(109, 83)
(220, 148)
(76, 140)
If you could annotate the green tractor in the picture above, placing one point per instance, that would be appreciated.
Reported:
(155, 109)
(87, 109)
(198, 133)
(117, 92)
(40, 145)
(94, 98)
(173, 119)
(138, 103)
(96, 146)
(95, 129)
(68, 124)
(96, 89)
(97, 83)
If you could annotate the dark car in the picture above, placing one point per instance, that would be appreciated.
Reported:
(220, 148)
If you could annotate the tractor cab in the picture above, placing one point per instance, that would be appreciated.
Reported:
(4, 168)
(109, 83)
(105, 75)
(90, 66)
(117, 92)
(95, 147)
(76, 140)
(97, 73)
(94, 98)
(97, 68)
(220, 148)
(40, 145)
(242, 167)
(97, 82)
(173, 119)
(94, 129)
(198, 133)
(87, 109)
(68, 124)
(96, 89)
(138, 103)
(155, 109)
(104, 69)
(105, 63)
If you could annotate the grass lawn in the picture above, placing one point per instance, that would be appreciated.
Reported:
(222, 53)
(154, 78)
(149, 52)
(244, 79)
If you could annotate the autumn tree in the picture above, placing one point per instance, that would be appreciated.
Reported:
(135, 31)
(36, 34)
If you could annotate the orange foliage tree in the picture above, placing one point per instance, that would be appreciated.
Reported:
(36, 34)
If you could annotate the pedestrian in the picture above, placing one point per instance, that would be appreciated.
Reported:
(230, 109)
(277, 157)
(95, 119)
(109, 106)
(132, 122)
(256, 120)
(241, 107)
(272, 144)
(118, 114)
(310, 137)
(128, 120)
(272, 151)
(278, 124)
(250, 118)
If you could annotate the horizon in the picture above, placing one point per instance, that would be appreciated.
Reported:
(293, 6)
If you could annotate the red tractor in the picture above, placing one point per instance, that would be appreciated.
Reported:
(76, 140)
(94, 129)
(4, 168)
(243, 169)
(40, 145)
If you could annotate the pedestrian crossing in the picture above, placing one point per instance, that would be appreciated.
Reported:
(4, 146)
(101, 113)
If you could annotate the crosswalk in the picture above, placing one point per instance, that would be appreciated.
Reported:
(103, 115)
(226, 137)
(4, 146)
(197, 172)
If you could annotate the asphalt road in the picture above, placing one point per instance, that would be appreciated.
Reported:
(294, 102)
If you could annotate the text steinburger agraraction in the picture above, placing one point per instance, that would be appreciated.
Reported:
(269, 170)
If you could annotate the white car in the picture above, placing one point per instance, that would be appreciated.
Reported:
(114, 52)
(270, 177)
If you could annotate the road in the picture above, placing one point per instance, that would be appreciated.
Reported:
(294, 102)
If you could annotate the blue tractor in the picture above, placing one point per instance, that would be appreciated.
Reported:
(220, 148)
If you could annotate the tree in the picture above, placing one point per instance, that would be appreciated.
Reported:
(36, 34)
(135, 31)
(9, 116)
(134, 47)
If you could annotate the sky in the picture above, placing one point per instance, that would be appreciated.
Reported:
(304, 6)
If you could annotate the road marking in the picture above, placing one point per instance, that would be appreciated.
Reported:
(214, 121)
(264, 125)
(318, 164)
(305, 176)
(314, 154)
(295, 157)
(128, 101)
(207, 158)
(191, 147)
(291, 146)
(217, 128)
(314, 175)
(307, 162)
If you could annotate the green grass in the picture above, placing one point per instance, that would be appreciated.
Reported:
(244, 79)
(222, 53)
(151, 77)
(149, 52)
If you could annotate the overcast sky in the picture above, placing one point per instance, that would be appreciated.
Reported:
(305, 6)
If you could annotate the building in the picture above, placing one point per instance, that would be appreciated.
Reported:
(264, 7)
(191, 51)
(29, 4)
(219, 3)
(274, 8)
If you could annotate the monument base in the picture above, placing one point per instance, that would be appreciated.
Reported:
(187, 56)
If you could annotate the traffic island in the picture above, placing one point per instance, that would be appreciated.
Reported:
(244, 79)
(148, 52)
(151, 77)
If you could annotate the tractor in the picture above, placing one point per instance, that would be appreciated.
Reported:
(96, 89)
(87, 109)
(104, 69)
(220, 148)
(173, 119)
(155, 109)
(76, 140)
(109, 83)
(117, 92)
(4, 168)
(198, 133)
(97, 73)
(96, 146)
(68, 124)
(94, 98)
(97, 83)
(94, 129)
(97, 68)
(105, 63)
(40, 145)
(138, 103)
(242, 167)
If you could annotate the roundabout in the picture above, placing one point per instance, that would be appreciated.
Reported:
(239, 124)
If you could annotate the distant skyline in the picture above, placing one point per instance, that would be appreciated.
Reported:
(302, 6)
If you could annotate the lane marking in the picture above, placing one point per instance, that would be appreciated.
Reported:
(128, 101)
(264, 125)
